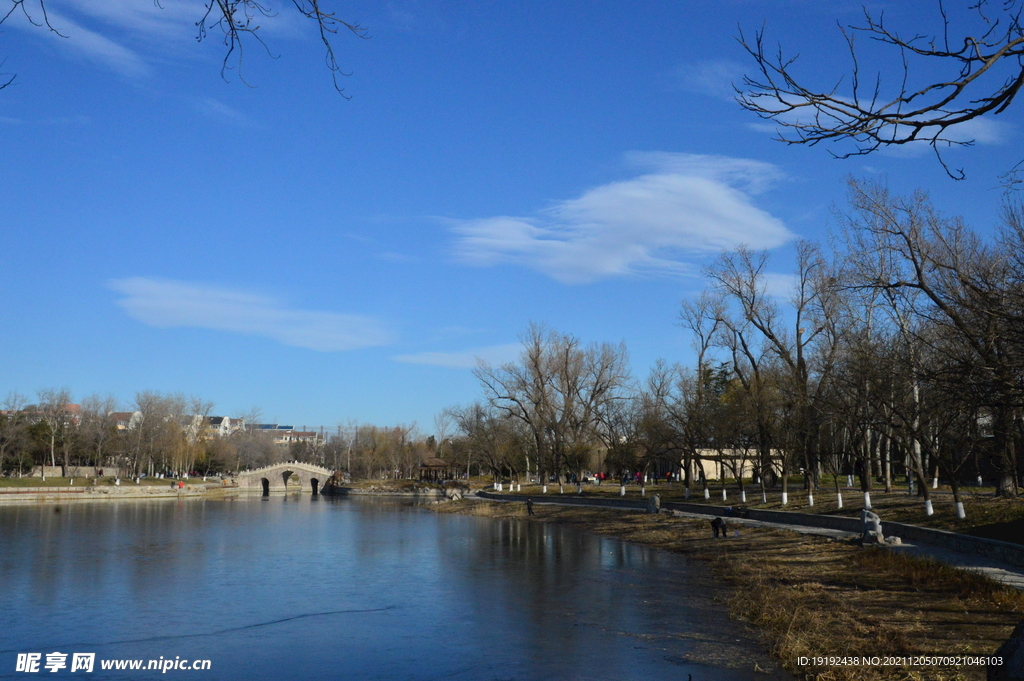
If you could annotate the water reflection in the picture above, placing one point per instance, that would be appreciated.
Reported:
(291, 586)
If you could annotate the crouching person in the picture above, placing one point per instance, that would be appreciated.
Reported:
(718, 525)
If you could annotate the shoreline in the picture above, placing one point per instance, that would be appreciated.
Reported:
(131, 491)
(811, 596)
(86, 493)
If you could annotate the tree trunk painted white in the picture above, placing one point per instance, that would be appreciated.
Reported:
(980, 481)
(138, 480)
(519, 487)
(686, 493)
(867, 500)
(839, 499)
(622, 490)
(500, 487)
(561, 487)
(643, 490)
(544, 489)
(960, 513)
(849, 481)
(579, 488)
(743, 496)
(887, 463)
(117, 481)
(810, 498)
(707, 493)
(72, 481)
(764, 497)
(935, 482)
(725, 496)
(928, 510)
(785, 498)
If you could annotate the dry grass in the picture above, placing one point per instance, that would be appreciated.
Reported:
(812, 596)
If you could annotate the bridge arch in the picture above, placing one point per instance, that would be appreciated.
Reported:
(274, 478)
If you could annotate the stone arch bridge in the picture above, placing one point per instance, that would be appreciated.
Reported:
(274, 478)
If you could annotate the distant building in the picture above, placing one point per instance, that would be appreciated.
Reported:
(286, 435)
(72, 413)
(126, 420)
(223, 426)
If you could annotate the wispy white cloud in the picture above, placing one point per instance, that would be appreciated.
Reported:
(166, 19)
(129, 36)
(177, 19)
(780, 285)
(713, 77)
(398, 257)
(216, 109)
(99, 48)
(752, 177)
(166, 303)
(984, 130)
(126, 36)
(685, 206)
(467, 359)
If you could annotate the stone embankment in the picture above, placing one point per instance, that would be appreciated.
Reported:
(129, 490)
(412, 492)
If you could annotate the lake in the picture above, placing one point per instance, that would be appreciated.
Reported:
(294, 587)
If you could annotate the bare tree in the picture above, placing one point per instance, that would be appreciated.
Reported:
(253, 448)
(196, 435)
(805, 352)
(557, 389)
(238, 24)
(97, 428)
(972, 58)
(703, 317)
(13, 425)
(53, 412)
(159, 439)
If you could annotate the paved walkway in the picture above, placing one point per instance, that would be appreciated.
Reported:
(1011, 575)
(1004, 573)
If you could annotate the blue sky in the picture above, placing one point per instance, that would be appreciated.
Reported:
(329, 260)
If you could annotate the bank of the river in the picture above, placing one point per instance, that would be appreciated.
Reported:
(37, 494)
(812, 596)
(987, 515)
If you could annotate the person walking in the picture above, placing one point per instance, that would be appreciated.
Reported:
(529, 506)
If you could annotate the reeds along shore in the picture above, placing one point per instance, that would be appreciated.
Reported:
(813, 597)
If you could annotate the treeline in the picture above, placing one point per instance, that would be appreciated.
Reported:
(896, 350)
(160, 433)
(379, 453)
(171, 434)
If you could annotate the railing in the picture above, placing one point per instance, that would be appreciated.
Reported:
(961, 543)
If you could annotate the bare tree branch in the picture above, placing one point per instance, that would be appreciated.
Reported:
(239, 23)
(985, 71)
